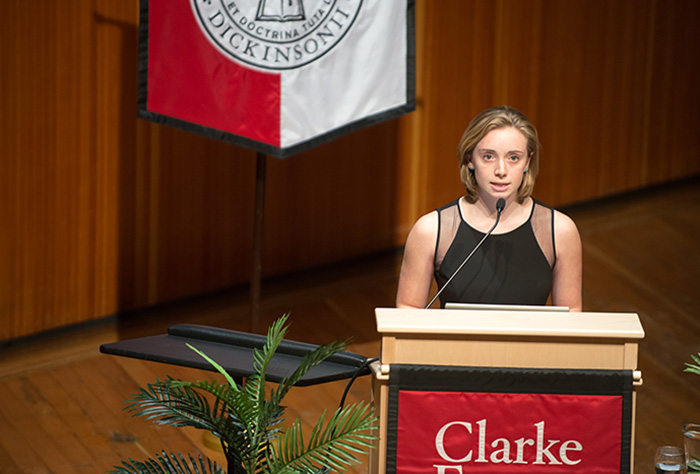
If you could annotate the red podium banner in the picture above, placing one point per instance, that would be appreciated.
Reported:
(508, 421)
(276, 76)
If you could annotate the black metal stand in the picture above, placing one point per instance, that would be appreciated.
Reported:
(256, 273)
(233, 350)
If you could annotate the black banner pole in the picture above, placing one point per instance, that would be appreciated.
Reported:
(256, 276)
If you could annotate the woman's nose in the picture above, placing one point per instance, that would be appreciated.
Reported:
(500, 167)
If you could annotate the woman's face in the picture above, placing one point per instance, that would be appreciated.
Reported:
(500, 160)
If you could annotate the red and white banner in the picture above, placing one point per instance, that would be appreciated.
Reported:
(277, 76)
(548, 422)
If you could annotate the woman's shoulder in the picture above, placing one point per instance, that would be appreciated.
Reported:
(427, 224)
(566, 234)
(420, 243)
(564, 224)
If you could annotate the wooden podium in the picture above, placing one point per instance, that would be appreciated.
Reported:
(499, 338)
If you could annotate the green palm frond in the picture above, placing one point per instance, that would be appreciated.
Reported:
(232, 383)
(175, 403)
(170, 464)
(308, 362)
(693, 368)
(332, 444)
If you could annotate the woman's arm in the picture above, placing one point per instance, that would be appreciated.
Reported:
(417, 267)
(567, 275)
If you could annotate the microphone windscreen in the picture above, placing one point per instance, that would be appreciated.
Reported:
(500, 204)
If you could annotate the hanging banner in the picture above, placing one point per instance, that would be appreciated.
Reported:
(276, 76)
(454, 420)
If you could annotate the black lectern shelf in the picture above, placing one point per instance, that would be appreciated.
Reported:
(233, 350)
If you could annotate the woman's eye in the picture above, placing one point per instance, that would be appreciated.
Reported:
(488, 157)
(514, 158)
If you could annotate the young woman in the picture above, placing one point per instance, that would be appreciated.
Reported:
(533, 252)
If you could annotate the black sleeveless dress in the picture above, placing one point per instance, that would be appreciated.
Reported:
(511, 268)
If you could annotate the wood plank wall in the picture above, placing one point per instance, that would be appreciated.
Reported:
(101, 212)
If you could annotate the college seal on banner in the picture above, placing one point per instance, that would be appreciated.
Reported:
(276, 34)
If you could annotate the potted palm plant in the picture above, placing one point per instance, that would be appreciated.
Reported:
(248, 421)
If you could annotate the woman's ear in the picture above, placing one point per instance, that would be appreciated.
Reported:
(468, 157)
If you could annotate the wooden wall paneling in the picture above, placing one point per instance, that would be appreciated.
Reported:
(687, 45)
(228, 208)
(105, 212)
(205, 214)
(573, 48)
(617, 120)
(146, 212)
(63, 164)
(621, 152)
(594, 100)
(662, 75)
(50, 174)
(34, 267)
(9, 166)
(562, 115)
(114, 96)
(674, 95)
(411, 189)
(517, 53)
(41, 158)
(82, 132)
(336, 201)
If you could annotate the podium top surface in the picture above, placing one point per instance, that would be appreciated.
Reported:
(509, 323)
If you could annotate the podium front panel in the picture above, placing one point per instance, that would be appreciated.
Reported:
(503, 340)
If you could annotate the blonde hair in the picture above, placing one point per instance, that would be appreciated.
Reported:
(492, 119)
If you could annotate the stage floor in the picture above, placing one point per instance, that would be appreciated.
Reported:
(61, 400)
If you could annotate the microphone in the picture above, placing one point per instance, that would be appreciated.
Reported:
(500, 205)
